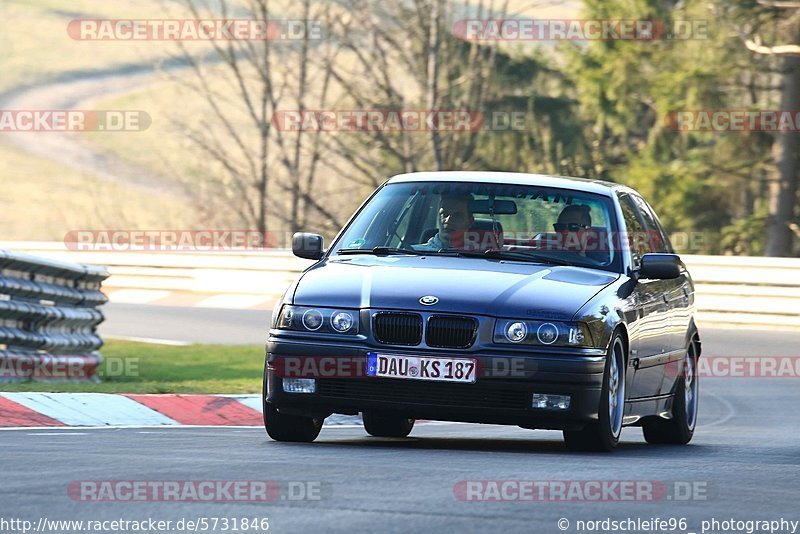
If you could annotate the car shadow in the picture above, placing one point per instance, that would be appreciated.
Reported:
(517, 445)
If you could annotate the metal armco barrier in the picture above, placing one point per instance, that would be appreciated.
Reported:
(731, 290)
(747, 291)
(48, 318)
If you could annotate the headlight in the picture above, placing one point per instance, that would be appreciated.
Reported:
(516, 332)
(547, 333)
(542, 333)
(312, 319)
(321, 320)
(342, 321)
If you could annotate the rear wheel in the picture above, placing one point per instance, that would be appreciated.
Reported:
(680, 429)
(603, 435)
(385, 425)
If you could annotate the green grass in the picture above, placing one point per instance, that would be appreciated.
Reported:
(166, 369)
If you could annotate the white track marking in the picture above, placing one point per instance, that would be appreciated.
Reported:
(727, 417)
(57, 433)
(136, 296)
(151, 340)
(233, 301)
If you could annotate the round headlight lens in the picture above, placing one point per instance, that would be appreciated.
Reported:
(342, 321)
(516, 332)
(547, 334)
(312, 319)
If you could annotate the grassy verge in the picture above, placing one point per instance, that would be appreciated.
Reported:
(35, 45)
(143, 368)
(42, 200)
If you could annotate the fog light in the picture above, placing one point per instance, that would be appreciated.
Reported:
(550, 402)
(299, 385)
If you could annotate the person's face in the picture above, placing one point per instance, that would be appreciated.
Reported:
(571, 226)
(454, 216)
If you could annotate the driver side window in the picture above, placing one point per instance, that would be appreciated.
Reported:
(635, 237)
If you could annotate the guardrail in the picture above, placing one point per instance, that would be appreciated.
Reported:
(731, 290)
(747, 291)
(48, 318)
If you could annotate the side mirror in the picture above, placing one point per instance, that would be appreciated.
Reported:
(660, 266)
(308, 246)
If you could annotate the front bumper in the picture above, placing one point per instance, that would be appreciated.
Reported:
(502, 393)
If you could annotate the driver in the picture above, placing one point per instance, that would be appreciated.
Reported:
(455, 218)
(572, 225)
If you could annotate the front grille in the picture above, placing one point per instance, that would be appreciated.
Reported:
(398, 328)
(410, 392)
(451, 332)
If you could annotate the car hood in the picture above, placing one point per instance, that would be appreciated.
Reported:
(462, 285)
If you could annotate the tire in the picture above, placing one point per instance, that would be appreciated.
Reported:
(603, 435)
(679, 430)
(385, 425)
(282, 427)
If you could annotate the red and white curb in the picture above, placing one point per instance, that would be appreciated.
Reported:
(105, 410)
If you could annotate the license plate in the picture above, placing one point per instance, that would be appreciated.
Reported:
(422, 368)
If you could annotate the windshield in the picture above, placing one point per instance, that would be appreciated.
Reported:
(516, 222)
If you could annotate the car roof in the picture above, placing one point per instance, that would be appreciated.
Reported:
(514, 178)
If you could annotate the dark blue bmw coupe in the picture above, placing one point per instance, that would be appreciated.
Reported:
(486, 297)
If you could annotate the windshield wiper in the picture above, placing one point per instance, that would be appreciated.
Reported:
(382, 251)
(514, 255)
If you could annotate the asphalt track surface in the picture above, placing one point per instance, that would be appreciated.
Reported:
(193, 325)
(744, 461)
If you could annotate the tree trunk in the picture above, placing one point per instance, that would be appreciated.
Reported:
(433, 78)
(783, 188)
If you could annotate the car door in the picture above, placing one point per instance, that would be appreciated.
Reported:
(679, 295)
(677, 289)
(653, 329)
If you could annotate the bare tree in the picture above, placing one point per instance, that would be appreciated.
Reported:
(269, 174)
(440, 72)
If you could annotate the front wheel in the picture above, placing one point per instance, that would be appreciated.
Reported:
(603, 435)
(679, 430)
(283, 427)
(384, 425)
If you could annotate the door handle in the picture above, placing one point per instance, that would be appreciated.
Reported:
(665, 298)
